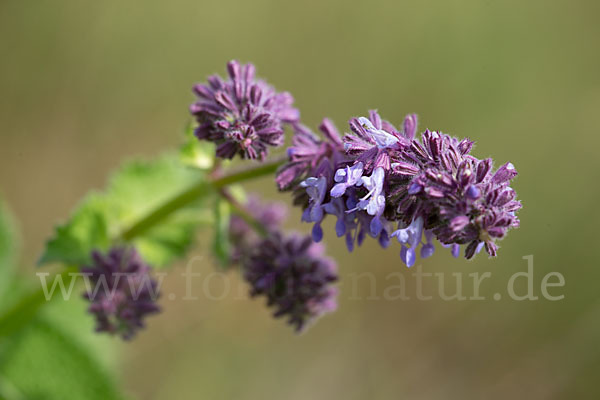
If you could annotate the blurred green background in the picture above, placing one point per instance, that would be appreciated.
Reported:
(85, 85)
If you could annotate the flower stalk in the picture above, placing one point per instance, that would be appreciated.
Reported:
(26, 308)
(195, 192)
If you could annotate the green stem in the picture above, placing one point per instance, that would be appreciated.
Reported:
(22, 312)
(243, 213)
(196, 192)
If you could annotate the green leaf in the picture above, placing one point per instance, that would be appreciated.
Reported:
(171, 239)
(221, 244)
(45, 362)
(74, 321)
(135, 191)
(141, 187)
(57, 355)
(86, 230)
(197, 153)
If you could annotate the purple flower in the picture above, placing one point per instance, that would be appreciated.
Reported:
(345, 178)
(355, 200)
(242, 236)
(242, 115)
(411, 237)
(374, 141)
(456, 194)
(353, 214)
(410, 126)
(432, 182)
(294, 276)
(310, 171)
(429, 185)
(337, 207)
(428, 248)
(454, 249)
(316, 188)
(374, 201)
(380, 137)
(121, 291)
(309, 155)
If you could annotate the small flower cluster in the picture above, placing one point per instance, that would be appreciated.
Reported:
(242, 115)
(290, 271)
(294, 276)
(322, 177)
(242, 236)
(121, 293)
(431, 187)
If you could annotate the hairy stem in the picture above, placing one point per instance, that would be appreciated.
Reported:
(243, 213)
(26, 308)
(196, 192)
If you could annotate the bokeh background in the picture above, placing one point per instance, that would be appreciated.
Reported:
(85, 85)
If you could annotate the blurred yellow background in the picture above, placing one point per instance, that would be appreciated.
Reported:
(85, 85)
